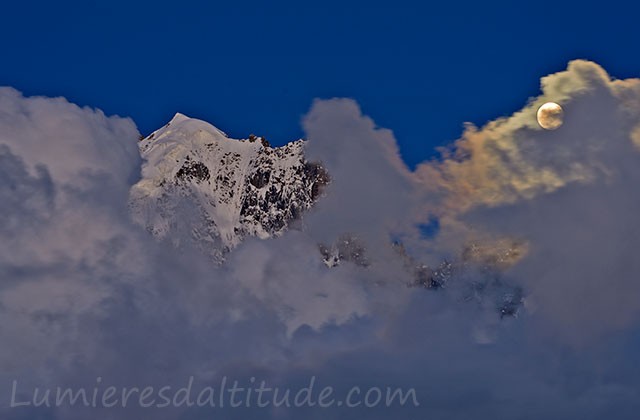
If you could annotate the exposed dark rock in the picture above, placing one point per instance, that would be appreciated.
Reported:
(193, 171)
(347, 248)
(318, 177)
(260, 178)
(476, 275)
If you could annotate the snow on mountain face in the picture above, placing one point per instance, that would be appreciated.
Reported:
(198, 183)
(201, 186)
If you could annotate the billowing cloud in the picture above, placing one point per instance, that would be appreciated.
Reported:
(86, 293)
(570, 193)
(64, 174)
(70, 141)
(513, 158)
(372, 189)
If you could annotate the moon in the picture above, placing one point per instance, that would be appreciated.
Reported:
(550, 116)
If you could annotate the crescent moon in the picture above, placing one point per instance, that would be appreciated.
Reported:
(550, 116)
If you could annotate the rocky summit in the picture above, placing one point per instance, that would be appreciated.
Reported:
(201, 186)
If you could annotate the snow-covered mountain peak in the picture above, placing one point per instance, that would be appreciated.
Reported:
(186, 130)
(217, 190)
(179, 117)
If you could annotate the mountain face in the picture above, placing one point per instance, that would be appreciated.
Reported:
(198, 183)
(201, 186)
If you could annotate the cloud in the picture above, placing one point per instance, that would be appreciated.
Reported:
(64, 173)
(87, 293)
(512, 158)
(371, 187)
(70, 141)
(569, 193)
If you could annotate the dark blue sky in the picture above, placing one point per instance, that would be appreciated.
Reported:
(255, 67)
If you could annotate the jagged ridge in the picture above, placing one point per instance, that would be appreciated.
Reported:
(198, 182)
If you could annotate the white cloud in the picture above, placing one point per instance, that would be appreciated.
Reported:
(570, 193)
(70, 141)
(86, 293)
